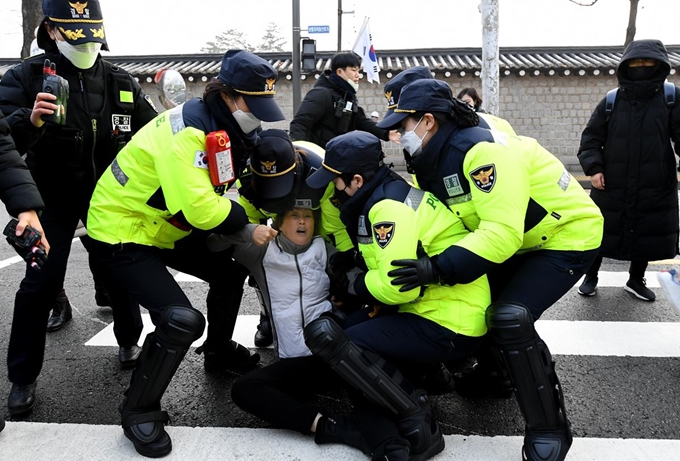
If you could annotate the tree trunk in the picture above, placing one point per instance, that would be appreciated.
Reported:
(31, 12)
(490, 55)
(632, 18)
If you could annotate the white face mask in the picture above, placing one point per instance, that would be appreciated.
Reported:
(82, 56)
(355, 86)
(246, 120)
(410, 141)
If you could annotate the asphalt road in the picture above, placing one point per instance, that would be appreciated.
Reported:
(622, 396)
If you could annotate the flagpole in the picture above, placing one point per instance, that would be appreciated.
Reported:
(361, 30)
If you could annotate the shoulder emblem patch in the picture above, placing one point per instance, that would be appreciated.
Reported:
(383, 233)
(484, 177)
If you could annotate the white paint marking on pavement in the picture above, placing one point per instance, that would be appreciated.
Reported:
(57, 442)
(607, 279)
(244, 333)
(10, 261)
(564, 337)
(621, 339)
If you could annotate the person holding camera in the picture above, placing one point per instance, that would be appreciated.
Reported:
(331, 108)
(71, 120)
(18, 192)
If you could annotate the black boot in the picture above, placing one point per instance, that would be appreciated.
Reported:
(61, 313)
(421, 430)
(142, 419)
(264, 336)
(393, 450)
(340, 429)
(102, 296)
(230, 357)
(21, 399)
(487, 376)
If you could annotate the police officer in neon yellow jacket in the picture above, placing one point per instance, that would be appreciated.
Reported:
(534, 229)
(155, 206)
(388, 219)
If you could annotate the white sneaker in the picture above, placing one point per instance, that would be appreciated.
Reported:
(671, 286)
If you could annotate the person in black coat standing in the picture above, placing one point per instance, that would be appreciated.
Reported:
(627, 152)
(105, 107)
(331, 108)
(18, 190)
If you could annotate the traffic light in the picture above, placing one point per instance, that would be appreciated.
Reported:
(308, 58)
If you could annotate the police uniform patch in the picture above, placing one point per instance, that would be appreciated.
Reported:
(383, 232)
(484, 177)
(121, 122)
(201, 160)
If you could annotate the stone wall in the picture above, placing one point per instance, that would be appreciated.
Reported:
(552, 109)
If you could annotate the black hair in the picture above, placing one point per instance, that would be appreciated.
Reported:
(342, 60)
(461, 114)
(473, 94)
(316, 214)
(367, 175)
(440, 117)
(46, 43)
(218, 86)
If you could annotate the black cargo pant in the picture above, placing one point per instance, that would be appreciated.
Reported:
(139, 272)
(39, 288)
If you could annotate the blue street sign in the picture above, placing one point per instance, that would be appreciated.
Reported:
(318, 29)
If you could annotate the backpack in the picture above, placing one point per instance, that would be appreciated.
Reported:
(668, 95)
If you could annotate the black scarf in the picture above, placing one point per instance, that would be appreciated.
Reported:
(341, 85)
(352, 208)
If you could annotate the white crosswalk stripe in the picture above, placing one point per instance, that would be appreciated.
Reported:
(655, 340)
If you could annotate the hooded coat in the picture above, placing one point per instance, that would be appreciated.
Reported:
(632, 148)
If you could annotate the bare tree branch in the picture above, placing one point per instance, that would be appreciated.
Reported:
(31, 13)
(584, 4)
(632, 18)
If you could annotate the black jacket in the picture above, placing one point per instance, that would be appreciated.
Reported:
(69, 159)
(17, 188)
(634, 152)
(317, 120)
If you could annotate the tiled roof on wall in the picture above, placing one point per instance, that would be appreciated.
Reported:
(448, 61)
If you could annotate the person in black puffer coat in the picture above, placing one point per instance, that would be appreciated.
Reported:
(629, 157)
(331, 108)
(106, 106)
(17, 190)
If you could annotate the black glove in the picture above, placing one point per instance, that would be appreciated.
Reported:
(27, 245)
(414, 273)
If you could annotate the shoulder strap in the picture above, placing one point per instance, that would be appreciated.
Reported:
(609, 102)
(121, 85)
(669, 93)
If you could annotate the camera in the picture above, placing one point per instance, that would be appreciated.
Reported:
(58, 86)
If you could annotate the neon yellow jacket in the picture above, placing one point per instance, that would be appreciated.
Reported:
(157, 175)
(402, 218)
(510, 192)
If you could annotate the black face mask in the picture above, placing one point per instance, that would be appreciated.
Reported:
(340, 197)
(641, 73)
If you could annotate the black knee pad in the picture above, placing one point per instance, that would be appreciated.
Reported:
(510, 323)
(331, 344)
(530, 365)
(180, 325)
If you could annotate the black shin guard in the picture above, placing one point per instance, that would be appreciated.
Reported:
(383, 385)
(220, 352)
(537, 388)
(177, 328)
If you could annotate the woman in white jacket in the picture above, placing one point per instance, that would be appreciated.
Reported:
(291, 273)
